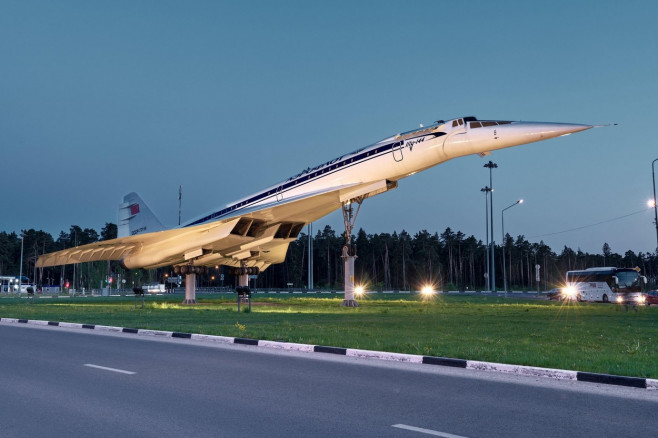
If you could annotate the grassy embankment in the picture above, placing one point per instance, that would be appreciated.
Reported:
(585, 337)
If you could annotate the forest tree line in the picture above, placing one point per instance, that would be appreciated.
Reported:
(398, 261)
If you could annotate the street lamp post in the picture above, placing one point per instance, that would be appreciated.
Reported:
(503, 242)
(655, 207)
(486, 191)
(20, 272)
(310, 256)
(491, 165)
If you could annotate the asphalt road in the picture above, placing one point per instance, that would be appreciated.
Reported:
(58, 382)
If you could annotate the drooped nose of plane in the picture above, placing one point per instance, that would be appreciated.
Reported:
(486, 136)
(528, 132)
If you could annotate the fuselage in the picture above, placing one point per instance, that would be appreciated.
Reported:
(255, 231)
(399, 156)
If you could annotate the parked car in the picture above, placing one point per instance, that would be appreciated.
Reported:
(651, 297)
(555, 294)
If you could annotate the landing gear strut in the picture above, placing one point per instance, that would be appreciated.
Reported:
(349, 250)
(243, 273)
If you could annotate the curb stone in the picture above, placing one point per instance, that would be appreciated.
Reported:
(606, 379)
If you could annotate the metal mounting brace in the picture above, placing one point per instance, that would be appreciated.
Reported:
(349, 250)
(349, 217)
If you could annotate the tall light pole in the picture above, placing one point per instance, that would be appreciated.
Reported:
(491, 165)
(20, 274)
(655, 207)
(310, 256)
(486, 191)
(503, 242)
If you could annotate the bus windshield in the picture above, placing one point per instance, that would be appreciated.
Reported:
(628, 280)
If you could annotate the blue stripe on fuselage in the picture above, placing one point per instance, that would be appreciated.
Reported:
(306, 177)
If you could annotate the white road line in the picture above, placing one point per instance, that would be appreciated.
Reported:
(109, 369)
(427, 431)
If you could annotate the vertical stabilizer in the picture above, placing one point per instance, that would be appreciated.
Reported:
(136, 218)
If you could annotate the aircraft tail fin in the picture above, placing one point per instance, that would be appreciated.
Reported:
(135, 217)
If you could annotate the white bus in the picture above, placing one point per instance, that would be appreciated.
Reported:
(10, 284)
(620, 285)
(154, 288)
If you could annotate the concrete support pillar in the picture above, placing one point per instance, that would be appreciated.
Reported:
(243, 280)
(348, 259)
(190, 289)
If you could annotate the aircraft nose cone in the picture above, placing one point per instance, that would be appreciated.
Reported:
(570, 128)
(545, 130)
(557, 129)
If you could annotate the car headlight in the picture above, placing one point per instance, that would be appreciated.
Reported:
(569, 292)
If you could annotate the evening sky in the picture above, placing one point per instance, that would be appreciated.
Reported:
(98, 99)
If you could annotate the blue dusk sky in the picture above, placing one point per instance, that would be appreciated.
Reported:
(101, 98)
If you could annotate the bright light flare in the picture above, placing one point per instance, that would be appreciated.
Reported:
(651, 203)
(570, 293)
(620, 299)
(359, 291)
(427, 290)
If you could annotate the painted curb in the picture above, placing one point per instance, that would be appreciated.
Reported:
(445, 361)
(550, 373)
(289, 346)
(159, 333)
(395, 357)
(108, 328)
(634, 382)
(212, 338)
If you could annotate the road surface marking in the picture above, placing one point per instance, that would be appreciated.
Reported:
(109, 369)
(427, 431)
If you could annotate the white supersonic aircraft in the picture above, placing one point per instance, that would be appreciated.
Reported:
(254, 232)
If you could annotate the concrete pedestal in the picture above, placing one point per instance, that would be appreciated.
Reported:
(190, 289)
(243, 280)
(349, 300)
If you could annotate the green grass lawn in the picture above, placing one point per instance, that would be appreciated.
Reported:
(599, 338)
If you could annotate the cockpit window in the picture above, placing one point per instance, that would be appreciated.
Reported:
(488, 123)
